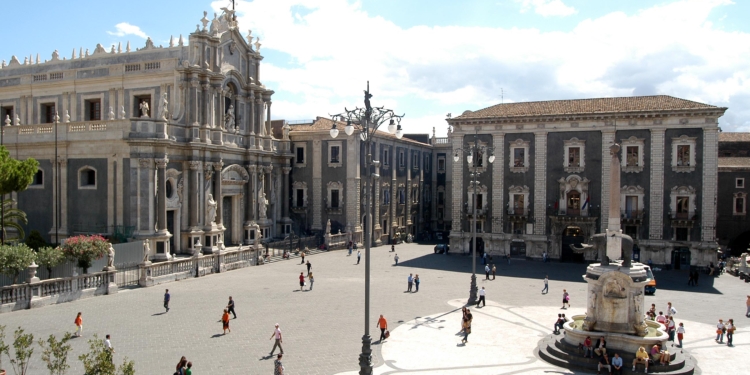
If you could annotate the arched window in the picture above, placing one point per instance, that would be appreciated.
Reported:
(87, 178)
(38, 180)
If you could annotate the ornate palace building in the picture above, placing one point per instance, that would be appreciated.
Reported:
(172, 144)
(548, 186)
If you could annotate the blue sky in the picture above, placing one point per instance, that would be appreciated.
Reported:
(429, 58)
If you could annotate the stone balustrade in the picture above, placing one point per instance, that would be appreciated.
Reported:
(38, 293)
(179, 269)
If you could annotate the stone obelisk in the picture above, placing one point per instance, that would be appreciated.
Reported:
(614, 233)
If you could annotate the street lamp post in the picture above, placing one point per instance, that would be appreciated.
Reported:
(58, 215)
(472, 151)
(369, 119)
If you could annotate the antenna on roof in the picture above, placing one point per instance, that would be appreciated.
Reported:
(501, 96)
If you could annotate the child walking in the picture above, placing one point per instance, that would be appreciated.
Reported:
(79, 325)
(680, 334)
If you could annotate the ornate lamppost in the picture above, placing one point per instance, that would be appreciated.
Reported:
(369, 119)
(474, 154)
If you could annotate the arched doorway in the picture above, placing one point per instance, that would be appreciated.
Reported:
(517, 249)
(571, 235)
(681, 258)
(480, 245)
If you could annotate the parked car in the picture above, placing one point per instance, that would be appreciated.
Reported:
(442, 248)
(650, 287)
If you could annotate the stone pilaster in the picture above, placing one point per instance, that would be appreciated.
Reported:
(457, 196)
(710, 179)
(161, 194)
(194, 185)
(317, 185)
(250, 193)
(540, 182)
(268, 118)
(608, 138)
(285, 193)
(145, 196)
(498, 188)
(218, 187)
(408, 192)
(656, 188)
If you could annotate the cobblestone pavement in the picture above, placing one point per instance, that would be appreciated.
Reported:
(323, 328)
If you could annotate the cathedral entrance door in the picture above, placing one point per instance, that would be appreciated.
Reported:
(171, 228)
(226, 219)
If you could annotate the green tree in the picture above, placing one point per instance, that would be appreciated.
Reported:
(12, 218)
(3, 346)
(55, 354)
(15, 175)
(98, 361)
(35, 240)
(49, 258)
(14, 259)
(23, 348)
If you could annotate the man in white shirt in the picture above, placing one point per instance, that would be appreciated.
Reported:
(487, 272)
(720, 331)
(670, 310)
(481, 300)
(108, 346)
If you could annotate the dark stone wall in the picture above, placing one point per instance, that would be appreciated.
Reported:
(92, 213)
(729, 225)
(643, 178)
(673, 179)
(38, 202)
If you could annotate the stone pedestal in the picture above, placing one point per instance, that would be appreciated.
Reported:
(615, 299)
(145, 273)
(211, 239)
(111, 282)
(161, 246)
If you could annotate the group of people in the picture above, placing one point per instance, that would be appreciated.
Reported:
(184, 367)
(658, 355)
(412, 281)
(487, 271)
(727, 329)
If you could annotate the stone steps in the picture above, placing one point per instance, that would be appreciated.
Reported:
(554, 350)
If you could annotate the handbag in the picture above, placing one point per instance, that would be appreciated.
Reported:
(387, 333)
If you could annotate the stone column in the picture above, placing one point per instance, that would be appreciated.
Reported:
(498, 188)
(285, 193)
(710, 179)
(315, 194)
(145, 193)
(656, 188)
(206, 105)
(250, 194)
(161, 194)
(217, 194)
(259, 114)
(540, 182)
(251, 113)
(608, 139)
(268, 118)
(194, 184)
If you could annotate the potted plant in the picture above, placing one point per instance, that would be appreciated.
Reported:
(84, 250)
(14, 259)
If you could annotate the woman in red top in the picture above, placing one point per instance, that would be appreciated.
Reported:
(225, 321)
(301, 280)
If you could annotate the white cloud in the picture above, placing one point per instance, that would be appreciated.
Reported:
(124, 28)
(547, 8)
(334, 47)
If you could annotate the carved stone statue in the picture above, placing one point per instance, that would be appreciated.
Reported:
(599, 245)
(144, 108)
(111, 114)
(262, 204)
(146, 251)
(111, 257)
(328, 226)
(229, 117)
(210, 209)
(122, 112)
(613, 289)
(163, 107)
(286, 130)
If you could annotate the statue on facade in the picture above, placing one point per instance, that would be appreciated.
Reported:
(163, 107)
(286, 128)
(146, 251)
(210, 209)
(262, 204)
(111, 257)
(144, 108)
(229, 117)
(328, 226)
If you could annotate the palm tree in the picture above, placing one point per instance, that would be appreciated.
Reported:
(12, 219)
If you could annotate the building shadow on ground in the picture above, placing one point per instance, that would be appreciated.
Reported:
(675, 280)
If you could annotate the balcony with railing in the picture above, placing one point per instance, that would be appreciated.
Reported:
(631, 215)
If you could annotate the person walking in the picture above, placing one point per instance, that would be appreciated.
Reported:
(482, 294)
(730, 331)
(302, 254)
(670, 310)
(108, 347)
(720, 330)
(167, 298)
(508, 257)
(301, 280)
(467, 330)
(484, 259)
(393, 248)
(225, 321)
(494, 269)
(308, 267)
(79, 325)
(487, 272)
(671, 328)
(395, 258)
(230, 307)
(680, 334)
(545, 290)
(350, 248)
(544, 257)
(410, 281)
(566, 298)
(278, 368)
(416, 283)
(747, 314)
(359, 255)
(189, 369)
(691, 278)
(310, 277)
(277, 335)
(180, 368)
(383, 325)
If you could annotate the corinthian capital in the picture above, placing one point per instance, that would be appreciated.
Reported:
(218, 165)
(286, 170)
(194, 165)
(252, 168)
(161, 162)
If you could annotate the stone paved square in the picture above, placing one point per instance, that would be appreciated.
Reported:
(323, 328)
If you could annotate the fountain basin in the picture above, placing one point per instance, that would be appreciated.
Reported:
(656, 334)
